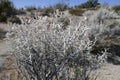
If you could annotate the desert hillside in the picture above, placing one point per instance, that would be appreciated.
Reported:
(60, 42)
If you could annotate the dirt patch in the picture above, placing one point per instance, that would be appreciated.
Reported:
(9, 70)
(109, 72)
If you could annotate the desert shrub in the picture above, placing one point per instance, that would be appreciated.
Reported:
(47, 51)
(47, 11)
(65, 22)
(77, 12)
(14, 19)
(89, 5)
(100, 16)
(20, 11)
(61, 6)
(110, 32)
(80, 9)
(30, 8)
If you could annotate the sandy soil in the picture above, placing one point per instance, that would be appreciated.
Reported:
(108, 72)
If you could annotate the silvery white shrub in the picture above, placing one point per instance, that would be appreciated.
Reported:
(45, 51)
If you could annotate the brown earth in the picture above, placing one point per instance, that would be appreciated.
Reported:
(9, 70)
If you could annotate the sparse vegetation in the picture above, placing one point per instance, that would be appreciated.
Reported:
(61, 6)
(89, 4)
(31, 8)
(116, 8)
(47, 51)
(57, 47)
(77, 11)
(47, 11)
(80, 9)
(20, 11)
(14, 19)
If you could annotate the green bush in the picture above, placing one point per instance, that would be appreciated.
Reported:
(89, 4)
(7, 9)
(85, 5)
(3, 18)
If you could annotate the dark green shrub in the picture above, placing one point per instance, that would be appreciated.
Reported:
(3, 18)
(89, 4)
(47, 11)
(7, 9)
(77, 11)
(86, 5)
